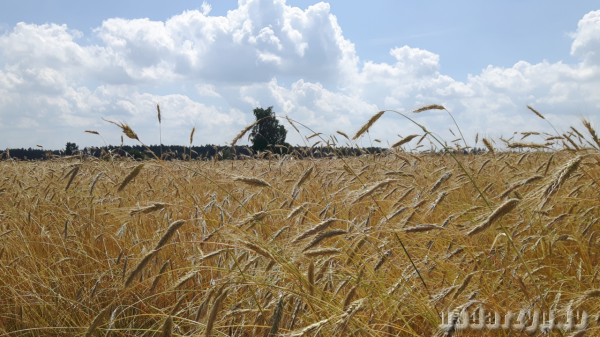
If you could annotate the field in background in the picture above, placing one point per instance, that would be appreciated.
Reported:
(375, 245)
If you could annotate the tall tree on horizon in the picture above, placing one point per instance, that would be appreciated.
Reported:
(71, 148)
(267, 132)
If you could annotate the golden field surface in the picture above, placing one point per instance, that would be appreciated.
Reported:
(374, 245)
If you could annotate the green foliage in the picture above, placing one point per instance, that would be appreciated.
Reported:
(137, 154)
(226, 154)
(267, 133)
(71, 149)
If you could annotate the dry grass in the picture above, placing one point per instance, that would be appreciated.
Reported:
(181, 248)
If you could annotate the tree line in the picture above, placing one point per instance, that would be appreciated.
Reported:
(179, 152)
(266, 135)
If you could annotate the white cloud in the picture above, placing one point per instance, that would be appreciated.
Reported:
(587, 39)
(207, 90)
(205, 8)
(28, 123)
(51, 79)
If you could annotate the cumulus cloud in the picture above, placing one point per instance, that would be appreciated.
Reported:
(207, 90)
(206, 8)
(586, 42)
(53, 86)
(311, 104)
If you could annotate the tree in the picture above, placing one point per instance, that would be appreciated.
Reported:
(71, 149)
(137, 154)
(267, 133)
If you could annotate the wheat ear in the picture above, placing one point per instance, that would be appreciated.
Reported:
(322, 252)
(127, 130)
(404, 140)
(591, 130)
(421, 228)
(242, 133)
(173, 227)
(519, 184)
(310, 328)
(296, 211)
(536, 112)
(322, 236)
(440, 181)
(350, 296)
(310, 274)
(257, 249)
(371, 190)
(562, 175)
(276, 319)
(302, 179)
(167, 328)
(368, 125)
(94, 181)
(496, 215)
(213, 313)
(429, 107)
(252, 181)
(319, 227)
(343, 134)
(96, 322)
(138, 269)
(488, 145)
(130, 177)
(463, 286)
(157, 278)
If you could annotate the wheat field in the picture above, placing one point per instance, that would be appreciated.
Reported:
(370, 245)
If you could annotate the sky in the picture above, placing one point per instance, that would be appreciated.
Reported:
(66, 65)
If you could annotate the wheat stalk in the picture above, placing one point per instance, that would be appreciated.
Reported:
(519, 184)
(242, 133)
(343, 134)
(257, 249)
(526, 145)
(96, 322)
(302, 179)
(429, 107)
(368, 125)
(488, 144)
(592, 132)
(440, 181)
(536, 112)
(322, 252)
(252, 181)
(296, 211)
(173, 227)
(463, 286)
(309, 329)
(322, 236)
(213, 313)
(134, 173)
(404, 140)
(127, 130)
(310, 275)
(314, 230)
(498, 213)
(421, 228)
(94, 181)
(275, 319)
(371, 190)
(148, 209)
(167, 328)
(562, 175)
(138, 269)
(157, 278)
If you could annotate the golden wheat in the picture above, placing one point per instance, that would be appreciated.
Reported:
(358, 255)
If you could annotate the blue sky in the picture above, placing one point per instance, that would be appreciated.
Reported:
(338, 63)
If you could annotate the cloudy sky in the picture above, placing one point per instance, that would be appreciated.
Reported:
(67, 64)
